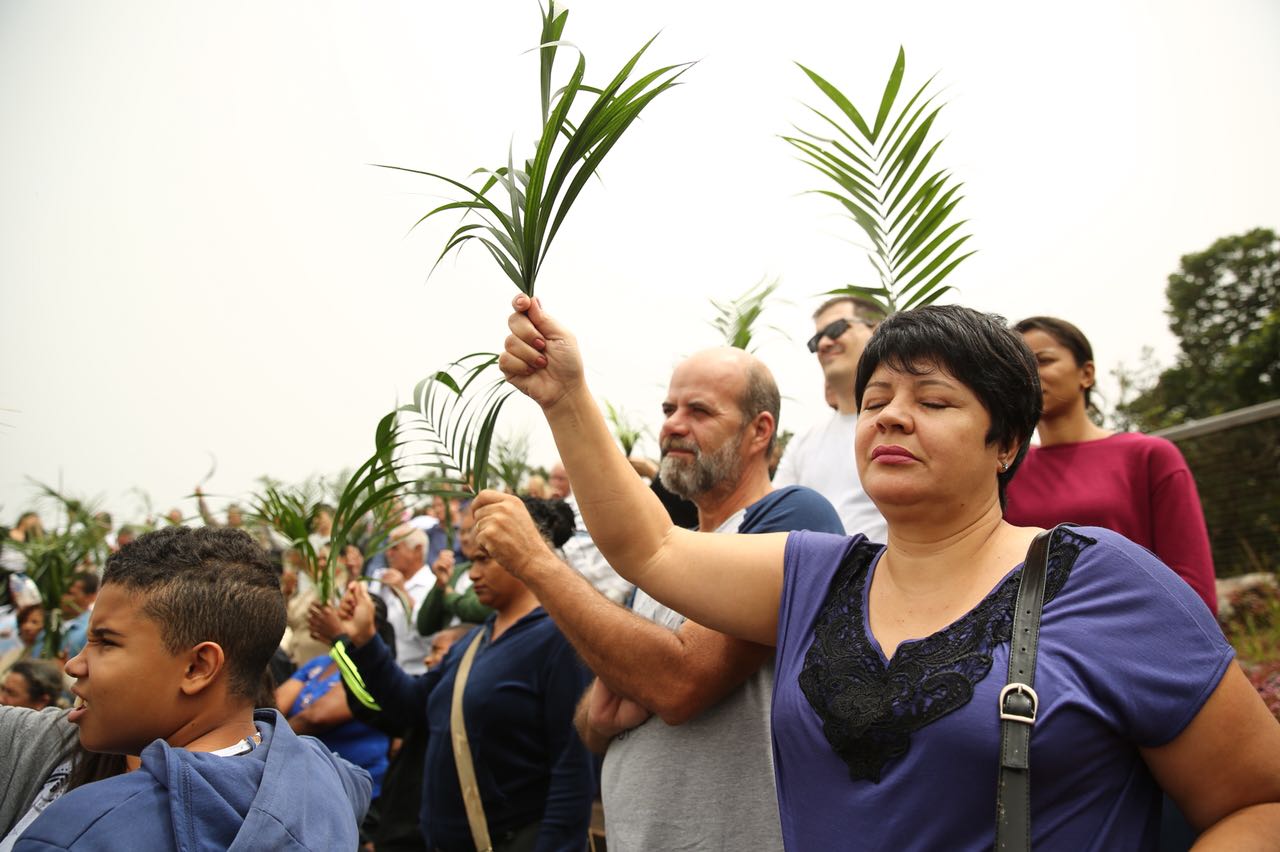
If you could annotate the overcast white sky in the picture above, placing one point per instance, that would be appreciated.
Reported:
(196, 258)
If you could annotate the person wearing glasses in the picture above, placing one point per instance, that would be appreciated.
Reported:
(822, 458)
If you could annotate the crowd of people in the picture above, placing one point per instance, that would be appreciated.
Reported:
(723, 649)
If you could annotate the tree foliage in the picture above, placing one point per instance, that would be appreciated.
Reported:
(1224, 307)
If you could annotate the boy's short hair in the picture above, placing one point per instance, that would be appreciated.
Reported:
(212, 584)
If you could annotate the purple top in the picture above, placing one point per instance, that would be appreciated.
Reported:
(904, 755)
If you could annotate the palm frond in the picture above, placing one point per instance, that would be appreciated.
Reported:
(456, 414)
(884, 179)
(363, 506)
(736, 319)
(517, 230)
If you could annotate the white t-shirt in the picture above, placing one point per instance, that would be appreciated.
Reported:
(823, 459)
(411, 646)
(582, 555)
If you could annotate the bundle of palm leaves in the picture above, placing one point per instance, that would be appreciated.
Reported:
(518, 230)
(883, 181)
(365, 509)
(516, 213)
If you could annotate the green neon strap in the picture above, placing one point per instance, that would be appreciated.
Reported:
(351, 676)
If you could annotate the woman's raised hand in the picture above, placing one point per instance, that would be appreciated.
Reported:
(356, 614)
(541, 358)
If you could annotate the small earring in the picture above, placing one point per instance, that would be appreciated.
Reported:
(1004, 466)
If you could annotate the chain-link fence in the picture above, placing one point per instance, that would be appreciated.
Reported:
(1235, 458)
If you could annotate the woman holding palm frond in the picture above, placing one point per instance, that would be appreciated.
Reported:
(891, 658)
(532, 775)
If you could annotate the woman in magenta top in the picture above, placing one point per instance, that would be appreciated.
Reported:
(1137, 485)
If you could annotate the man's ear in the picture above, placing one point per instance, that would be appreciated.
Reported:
(205, 663)
(762, 429)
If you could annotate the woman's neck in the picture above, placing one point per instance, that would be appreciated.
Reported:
(929, 577)
(512, 612)
(1070, 427)
(923, 554)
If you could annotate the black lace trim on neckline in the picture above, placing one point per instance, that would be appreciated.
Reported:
(868, 710)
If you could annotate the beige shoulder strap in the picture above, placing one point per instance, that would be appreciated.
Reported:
(462, 752)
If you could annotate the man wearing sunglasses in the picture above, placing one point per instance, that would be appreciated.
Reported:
(822, 458)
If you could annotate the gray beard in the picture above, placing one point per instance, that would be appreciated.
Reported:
(692, 479)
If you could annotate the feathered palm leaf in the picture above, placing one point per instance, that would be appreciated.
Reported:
(517, 230)
(456, 415)
(882, 173)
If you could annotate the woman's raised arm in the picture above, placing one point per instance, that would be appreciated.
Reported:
(729, 583)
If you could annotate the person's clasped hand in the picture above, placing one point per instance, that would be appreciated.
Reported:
(505, 531)
(540, 358)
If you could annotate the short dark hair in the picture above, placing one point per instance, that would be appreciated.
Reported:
(760, 393)
(1066, 335)
(978, 349)
(212, 584)
(88, 579)
(553, 518)
(25, 612)
(44, 678)
(864, 309)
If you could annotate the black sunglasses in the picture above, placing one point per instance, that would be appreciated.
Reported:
(833, 331)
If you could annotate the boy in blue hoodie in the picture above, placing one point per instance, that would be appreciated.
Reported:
(185, 623)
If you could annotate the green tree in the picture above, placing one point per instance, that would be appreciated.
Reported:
(1224, 307)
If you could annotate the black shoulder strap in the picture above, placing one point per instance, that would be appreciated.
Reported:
(1019, 703)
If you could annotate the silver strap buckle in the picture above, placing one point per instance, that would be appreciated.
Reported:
(1023, 689)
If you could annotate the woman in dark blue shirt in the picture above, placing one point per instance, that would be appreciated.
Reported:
(534, 775)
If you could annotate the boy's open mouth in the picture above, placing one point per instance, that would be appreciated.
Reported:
(78, 710)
